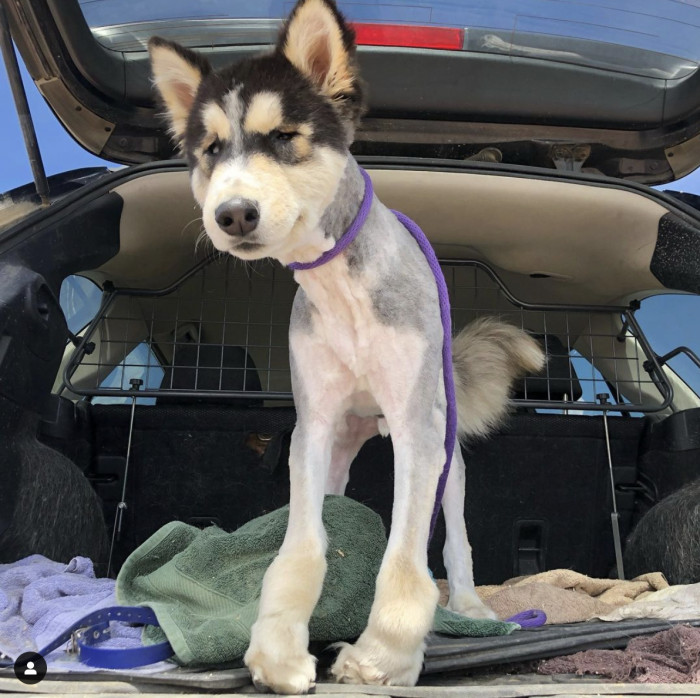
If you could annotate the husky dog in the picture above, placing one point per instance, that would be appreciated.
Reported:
(267, 145)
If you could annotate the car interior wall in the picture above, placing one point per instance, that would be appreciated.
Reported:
(52, 509)
(48, 506)
(670, 456)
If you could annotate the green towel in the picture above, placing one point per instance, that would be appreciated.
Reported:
(204, 585)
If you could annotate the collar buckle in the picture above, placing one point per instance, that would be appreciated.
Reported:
(75, 637)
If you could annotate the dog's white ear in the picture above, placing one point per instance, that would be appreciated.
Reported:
(177, 73)
(319, 43)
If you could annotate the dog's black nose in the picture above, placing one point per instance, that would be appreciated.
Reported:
(237, 216)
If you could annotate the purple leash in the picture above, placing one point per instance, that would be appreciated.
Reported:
(526, 619)
(427, 249)
(533, 618)
(448, 377)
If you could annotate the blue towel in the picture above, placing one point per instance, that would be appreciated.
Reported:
(40, 599)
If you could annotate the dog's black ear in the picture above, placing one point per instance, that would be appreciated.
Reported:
(177, 73)
(317, 40)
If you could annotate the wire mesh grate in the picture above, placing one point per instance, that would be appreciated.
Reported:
(221, 331)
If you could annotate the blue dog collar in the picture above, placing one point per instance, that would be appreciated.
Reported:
(90, 631)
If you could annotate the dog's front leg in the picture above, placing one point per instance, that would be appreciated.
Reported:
(390, 650)
(278, 656)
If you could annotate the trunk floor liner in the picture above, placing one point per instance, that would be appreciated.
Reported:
(443, 655)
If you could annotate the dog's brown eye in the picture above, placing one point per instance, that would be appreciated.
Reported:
(283, 135)
(214, 148)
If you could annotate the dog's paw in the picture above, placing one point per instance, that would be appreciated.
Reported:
(278, 660)
(371, 662)
(467, 603)
(290, 674)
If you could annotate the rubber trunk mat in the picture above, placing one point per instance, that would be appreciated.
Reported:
(108, 682)
(445, 654)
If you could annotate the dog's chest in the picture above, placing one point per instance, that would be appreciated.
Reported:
(343, 316)
(345, 345)
(343, 328)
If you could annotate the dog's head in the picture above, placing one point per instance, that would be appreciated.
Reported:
(266, 139)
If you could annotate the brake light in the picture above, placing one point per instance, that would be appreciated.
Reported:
(409, 36)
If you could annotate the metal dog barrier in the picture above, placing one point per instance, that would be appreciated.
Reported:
(219, 304)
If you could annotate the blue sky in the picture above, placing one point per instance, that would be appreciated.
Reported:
(668, 321)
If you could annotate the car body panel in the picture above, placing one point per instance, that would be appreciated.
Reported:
(627, 112)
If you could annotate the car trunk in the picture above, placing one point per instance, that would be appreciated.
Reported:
(204, 430)
(144, 379)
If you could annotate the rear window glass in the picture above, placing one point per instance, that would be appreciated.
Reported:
(670, 321)
(662, 26)
(80, 300)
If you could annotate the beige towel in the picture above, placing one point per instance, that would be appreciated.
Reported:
(566, 596)
(679, 602)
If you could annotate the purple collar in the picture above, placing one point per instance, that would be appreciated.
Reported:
(349, 235)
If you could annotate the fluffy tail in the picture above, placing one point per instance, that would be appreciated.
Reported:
(488, 355)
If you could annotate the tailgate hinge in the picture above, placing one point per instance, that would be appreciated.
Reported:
(569, 157)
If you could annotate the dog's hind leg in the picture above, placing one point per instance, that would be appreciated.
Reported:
(457, 552)
(348, 442)
(488, 355)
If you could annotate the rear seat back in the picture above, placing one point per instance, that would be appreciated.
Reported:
(201, 464)
(538, 492)
(539, 495)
